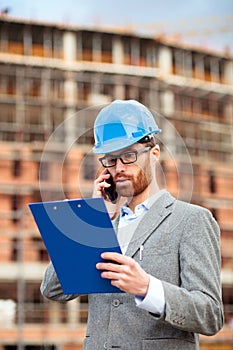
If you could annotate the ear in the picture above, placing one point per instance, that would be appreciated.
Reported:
(156, 152)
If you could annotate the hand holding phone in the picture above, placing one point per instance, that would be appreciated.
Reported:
(104, 186)
(111, 190)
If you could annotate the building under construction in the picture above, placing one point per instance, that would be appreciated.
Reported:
(51, 76)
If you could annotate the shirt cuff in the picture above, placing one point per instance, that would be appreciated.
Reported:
(154, 301)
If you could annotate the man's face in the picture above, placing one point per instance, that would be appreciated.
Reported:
(132, 179)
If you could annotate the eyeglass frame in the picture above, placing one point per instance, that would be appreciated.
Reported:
(136, 152)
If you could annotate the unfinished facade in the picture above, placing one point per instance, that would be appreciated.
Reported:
(49, 74)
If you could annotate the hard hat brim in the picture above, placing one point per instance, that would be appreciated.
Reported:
(118, 144)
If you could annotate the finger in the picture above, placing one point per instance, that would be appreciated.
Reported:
(105, 184)
(110, 275)
(117, 257)
(108, 267)
(99, 188)
(103, 176)
(99, 183)
(102, 185)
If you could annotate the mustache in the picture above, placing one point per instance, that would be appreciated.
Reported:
(122, 176)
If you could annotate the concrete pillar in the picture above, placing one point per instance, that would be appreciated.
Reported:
(69, 44)
(178, 62)
(70, 96)
(135, 52)
(73, 311)
(79, 46)
(54, 313)
(214, 69)
(168, 103)
(188, 64)
(199, 67)
(119, 90)
(70, 127)
(118, 51)
(228, 72)
(4, 38)
(70, 92)
(96, 53)
(20, 100)
(96, 83)
(27, 41)
(165, 60)
(48, 43)
(153, 98)
(228, 115)
(45, 94)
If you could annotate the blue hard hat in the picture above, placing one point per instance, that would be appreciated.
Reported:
(121, 124)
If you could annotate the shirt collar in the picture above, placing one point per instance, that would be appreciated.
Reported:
(142, 207)
(126, 211)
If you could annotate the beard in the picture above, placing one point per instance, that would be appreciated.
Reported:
(137, 184)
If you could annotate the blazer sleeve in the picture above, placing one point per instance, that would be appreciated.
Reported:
(196, 305)
(51, 287)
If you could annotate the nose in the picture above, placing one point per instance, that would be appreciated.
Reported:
(119, 166)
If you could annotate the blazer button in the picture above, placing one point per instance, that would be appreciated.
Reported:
(116, 302)
(105, 345)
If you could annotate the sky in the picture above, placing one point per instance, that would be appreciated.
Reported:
(205, 23)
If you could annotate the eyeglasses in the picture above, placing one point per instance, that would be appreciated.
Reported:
(126, 158)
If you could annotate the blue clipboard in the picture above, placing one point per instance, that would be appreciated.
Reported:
(75, 233)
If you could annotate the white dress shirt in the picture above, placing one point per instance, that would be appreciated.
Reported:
(154, 301)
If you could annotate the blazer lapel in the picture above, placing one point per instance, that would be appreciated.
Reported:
(158, 212)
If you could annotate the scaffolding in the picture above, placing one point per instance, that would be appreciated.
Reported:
(51, 76)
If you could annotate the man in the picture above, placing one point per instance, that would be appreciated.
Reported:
(169, 268)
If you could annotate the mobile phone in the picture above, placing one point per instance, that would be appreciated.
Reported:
(111, 191)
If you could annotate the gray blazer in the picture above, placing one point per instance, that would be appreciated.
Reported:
(182, 249)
